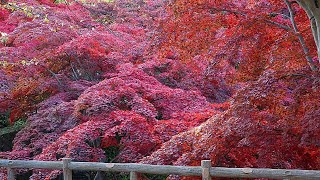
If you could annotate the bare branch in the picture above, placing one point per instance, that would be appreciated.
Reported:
(300, 37)
(280, 25)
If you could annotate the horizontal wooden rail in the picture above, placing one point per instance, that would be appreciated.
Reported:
(141, 168)
(164, 169)
(264, 173)
(31, 164)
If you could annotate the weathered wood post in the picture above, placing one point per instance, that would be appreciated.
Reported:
(67, 173)
(206, 165)
(11, 174)
(133, 175)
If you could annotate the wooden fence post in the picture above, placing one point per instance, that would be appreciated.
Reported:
(67, 173)
(133, 175)
(10, 174)
(206, 165)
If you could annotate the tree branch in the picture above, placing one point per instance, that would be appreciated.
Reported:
(300, 37)
(280, 25)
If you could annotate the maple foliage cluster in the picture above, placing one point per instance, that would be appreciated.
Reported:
(165, 82)
(83, 78)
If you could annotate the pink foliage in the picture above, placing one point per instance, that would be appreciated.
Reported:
(123, 111)
(209, 82)
(88, 78)
(5, 24)
(264, 127)
(99, 86)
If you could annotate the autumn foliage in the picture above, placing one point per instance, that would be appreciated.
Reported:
(163, 82)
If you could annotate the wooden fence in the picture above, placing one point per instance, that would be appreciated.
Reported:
(205, 170)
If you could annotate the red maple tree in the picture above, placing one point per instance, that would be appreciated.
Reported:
(164, 82)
